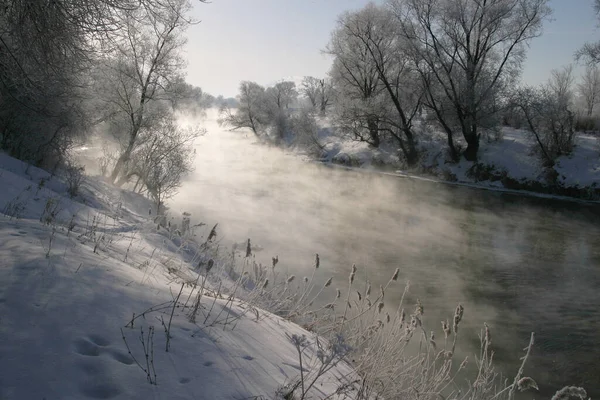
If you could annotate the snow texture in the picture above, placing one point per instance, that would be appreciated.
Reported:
(71, 282)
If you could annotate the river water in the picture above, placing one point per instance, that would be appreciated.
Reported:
(519, 263)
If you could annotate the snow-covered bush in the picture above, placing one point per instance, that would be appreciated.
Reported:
(74, 175)
(551, 122)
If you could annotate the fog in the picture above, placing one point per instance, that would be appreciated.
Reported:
(519, 263)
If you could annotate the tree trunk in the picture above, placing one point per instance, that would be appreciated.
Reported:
(373, 132)
(472, 137)
(126, 154)
(470, 152)
(412, 157)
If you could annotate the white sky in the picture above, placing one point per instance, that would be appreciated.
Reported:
(266, 40)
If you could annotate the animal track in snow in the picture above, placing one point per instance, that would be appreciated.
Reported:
(98, 385)
(184, 380)
(101, 390)
(208, 363)
(98, 340)
(86, 348)
(119, 356)
(247, 357)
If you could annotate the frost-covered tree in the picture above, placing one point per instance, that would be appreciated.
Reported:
(369, 34)
(44, 53)
(590, 51)
(162, 158)
(359, 90)
(468, 52)
(319, 92)
(282, 94)
(548, 114)
(251, 111)
(144, 64)
(589, 89)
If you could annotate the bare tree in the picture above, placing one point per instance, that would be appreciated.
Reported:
(371, 29)
(251, 111)
(282, 94)
(46, 51)
(589, 88)
(325, 95)
(146, 63)
(468, 51)
(310, 89)
(318, 91)
(548, 114)
(162, 159)
(560, 85)
(590, 51)
(359, 89)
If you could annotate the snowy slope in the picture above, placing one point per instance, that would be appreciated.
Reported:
(71, 284)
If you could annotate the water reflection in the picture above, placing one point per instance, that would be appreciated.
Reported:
(520, 264)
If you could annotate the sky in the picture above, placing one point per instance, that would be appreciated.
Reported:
(267, 40)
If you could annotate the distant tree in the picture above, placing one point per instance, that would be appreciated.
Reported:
(318, 92)
(282, 94)
(192, 99)
(589, 88)
(310, 90)
(468, 52)
(548, 114)
(251, 112)
(590, 52)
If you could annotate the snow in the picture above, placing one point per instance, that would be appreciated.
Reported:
(512, 155)
(582, 168)
(67, 297)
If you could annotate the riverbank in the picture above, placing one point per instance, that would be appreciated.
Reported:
(99, 301)
(508, 163)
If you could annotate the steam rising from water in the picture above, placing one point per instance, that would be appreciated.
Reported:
(519, 264)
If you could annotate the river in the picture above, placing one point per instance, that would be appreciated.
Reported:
(519, 263)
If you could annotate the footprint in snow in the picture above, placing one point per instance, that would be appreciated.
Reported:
(120, 356)
(184, 380)
(98, 340)
(94, 345)
(86, 348)
(208, 363)
(247, 357)
(101, 390)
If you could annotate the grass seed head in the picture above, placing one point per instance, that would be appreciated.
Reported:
(526, 383)
(328, 283)
(395, 276)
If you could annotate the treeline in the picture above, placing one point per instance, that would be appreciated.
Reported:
(408, 67)
(72, 67)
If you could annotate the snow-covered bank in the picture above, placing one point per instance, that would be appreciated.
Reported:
(91, 290)
(506, 164)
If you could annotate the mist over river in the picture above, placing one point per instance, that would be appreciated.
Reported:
(519, 263)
